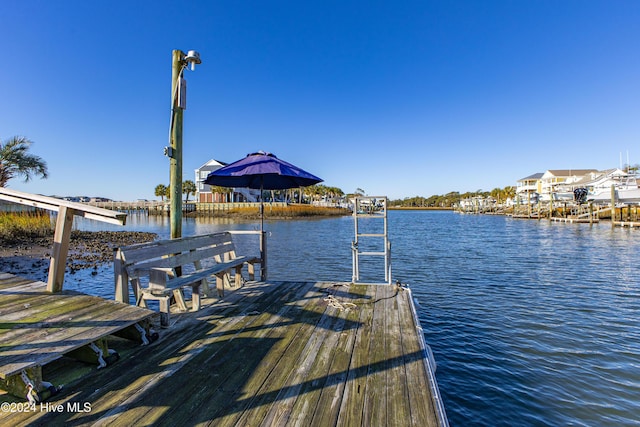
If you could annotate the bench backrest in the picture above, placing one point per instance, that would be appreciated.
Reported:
(138, 259)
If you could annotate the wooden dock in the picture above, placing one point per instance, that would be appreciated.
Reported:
(269, 353)
(630, 224)
(573, 220)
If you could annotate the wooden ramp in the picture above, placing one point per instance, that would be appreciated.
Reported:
(37, 327)
(275, 353)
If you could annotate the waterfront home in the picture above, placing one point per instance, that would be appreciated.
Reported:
(204, 193)
(558, 184)
(528, 188)
(477, 203)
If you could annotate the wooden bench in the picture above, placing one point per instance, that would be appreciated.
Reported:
(168, 266)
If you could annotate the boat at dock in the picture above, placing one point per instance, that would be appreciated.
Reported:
(625, 190)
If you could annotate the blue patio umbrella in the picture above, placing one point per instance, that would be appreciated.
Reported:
(263, 171)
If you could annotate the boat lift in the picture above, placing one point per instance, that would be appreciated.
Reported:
(369, 215)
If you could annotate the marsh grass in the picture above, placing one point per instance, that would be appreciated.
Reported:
(24, 225)
(294, 211)
(291, 211)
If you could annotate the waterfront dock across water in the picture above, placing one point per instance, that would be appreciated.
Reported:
(269, 353)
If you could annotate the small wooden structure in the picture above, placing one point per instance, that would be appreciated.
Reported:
(66, 211)
(271, 353)
(38, 327)
(41, 322)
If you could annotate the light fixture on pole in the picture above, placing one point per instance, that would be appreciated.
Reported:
(193, 58)
(174, 151)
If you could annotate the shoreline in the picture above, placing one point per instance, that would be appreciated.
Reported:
(30, 257)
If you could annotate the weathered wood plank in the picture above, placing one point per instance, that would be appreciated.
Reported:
(21, 301)
(31, 296)
(352, 405)
(42, 345)
(10, 281)
(54, 204)
(420, 398)
(311, 367)
(375, 402)
(332, 391)
(80, 327)
(26, 321)
(39, 326)
(399, 411)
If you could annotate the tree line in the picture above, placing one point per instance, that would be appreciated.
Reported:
(450, 199)
(188, 188)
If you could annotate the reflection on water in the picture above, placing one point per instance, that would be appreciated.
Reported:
(531, 323)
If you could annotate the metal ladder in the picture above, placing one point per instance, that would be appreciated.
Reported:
(373, 210)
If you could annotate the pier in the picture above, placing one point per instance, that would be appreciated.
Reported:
(269, 353)
(261, 353)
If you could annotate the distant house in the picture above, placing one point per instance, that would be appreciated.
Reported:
(528, 188)
(204, 193)
(562, 182)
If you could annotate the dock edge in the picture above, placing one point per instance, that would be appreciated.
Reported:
(429, 366)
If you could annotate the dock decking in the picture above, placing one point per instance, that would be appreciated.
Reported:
(270, 353)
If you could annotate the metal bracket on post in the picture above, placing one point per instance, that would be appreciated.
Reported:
(30, 388)
(143, 334)
(98, 351)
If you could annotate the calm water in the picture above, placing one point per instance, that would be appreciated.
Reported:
(531, 323)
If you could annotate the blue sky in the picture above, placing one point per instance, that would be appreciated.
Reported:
(399, 98)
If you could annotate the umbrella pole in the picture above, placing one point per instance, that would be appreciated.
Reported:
(261, 208)
(263, 255)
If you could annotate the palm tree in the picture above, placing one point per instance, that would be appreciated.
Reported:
(15, 161)
(509, 192)
(224, 191)
(161, 191)
(188, 187)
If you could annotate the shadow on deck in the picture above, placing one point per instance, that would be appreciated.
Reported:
(276, 353)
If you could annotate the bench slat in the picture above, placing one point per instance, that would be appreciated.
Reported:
(176, 260)
(144, 251)
(203, 274)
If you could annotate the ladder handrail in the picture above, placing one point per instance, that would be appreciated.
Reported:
(376, 208)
